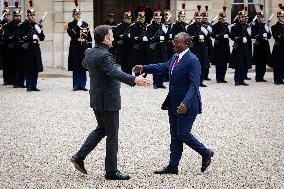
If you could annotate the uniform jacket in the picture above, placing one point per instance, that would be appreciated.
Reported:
(31, 50)
(105, 78)
(77, 48)
(278, 48)
(221, 49)
(184, 82)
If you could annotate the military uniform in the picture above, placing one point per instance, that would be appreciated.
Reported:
(277, 62)
(221, 49)
(15, 63)
(198, 33)
(138, 51)
(261, 54)
(30, 33)
(240, 58)
(157, 49)
(7, 74)
(208, 41)
(122, 39)
(81, 39)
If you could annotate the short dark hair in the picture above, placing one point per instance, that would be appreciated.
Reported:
(100, 32)
(186, 37)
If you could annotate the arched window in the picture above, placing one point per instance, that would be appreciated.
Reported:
(253, 7)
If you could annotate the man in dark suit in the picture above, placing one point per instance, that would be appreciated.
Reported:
(183, 101)
(105, 78)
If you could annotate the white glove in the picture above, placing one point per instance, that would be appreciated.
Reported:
(209, 29)
(245, 40)
(201, 37)
(162, 38)
(171, 36)
(128, 35)
(79, 23)
(249, 31)
(164, 29)
(35, 37)
(145, 38)
(266, 28)
(229, 28)
(226, 36)
(37, 28)
(204, 31)
(265, 35)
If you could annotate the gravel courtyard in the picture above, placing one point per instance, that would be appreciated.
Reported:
(40, 131)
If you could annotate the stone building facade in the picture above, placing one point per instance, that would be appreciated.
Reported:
(55, 47)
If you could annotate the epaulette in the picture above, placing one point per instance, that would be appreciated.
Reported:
(133, 24)
(66, 26)
(118, 24)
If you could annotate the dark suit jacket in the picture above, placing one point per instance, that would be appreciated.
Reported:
(184, 82)
(105, 77)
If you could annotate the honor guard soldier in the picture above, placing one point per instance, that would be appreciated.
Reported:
(11, 35)
(110, 21)
(122, 39)
(137, 30)
(198, 33)
(208, 41)
(169, 35)
(179, 25)
(240, 58)
(7, 75)
(81, 39)
(30, 33)
(261, 54)
(157, 49)
(249, 38)
(221, 49)
(277, 62)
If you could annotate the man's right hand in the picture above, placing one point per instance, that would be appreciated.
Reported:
(137, 69)
(141, 81)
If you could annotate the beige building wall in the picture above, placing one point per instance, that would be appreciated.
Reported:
(55, 47)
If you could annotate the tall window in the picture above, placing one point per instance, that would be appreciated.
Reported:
(12, 6)
(253, 7)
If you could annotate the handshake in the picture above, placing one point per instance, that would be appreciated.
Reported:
(140, 80)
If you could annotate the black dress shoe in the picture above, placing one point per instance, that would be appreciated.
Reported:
(247, 78)
(23, 86)
(160, 87)
(202, 85)
(167, 170)
(35, 89)
(84, 89)
(244, 84)
(206, 160)
(79, 164)
(207, 79)
(260, 80)
(75, 89)
(116, 176)
(15, 86)
(218, 81)
(224, 81)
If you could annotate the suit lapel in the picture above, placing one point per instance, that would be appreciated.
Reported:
(181, 61)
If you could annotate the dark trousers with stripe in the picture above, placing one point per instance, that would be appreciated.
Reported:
(79, 79)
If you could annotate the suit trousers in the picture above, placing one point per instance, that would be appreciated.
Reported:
(181, 126)
(108, 125)
(260, 71)
(221, 72)
(31, 80)
(158, 79)
(206, 73)
(79, 79)
(240, 76)
(278, 75)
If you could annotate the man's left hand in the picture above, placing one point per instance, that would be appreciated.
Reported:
(182, 108)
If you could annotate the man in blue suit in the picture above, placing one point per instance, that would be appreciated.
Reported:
(183, 101)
